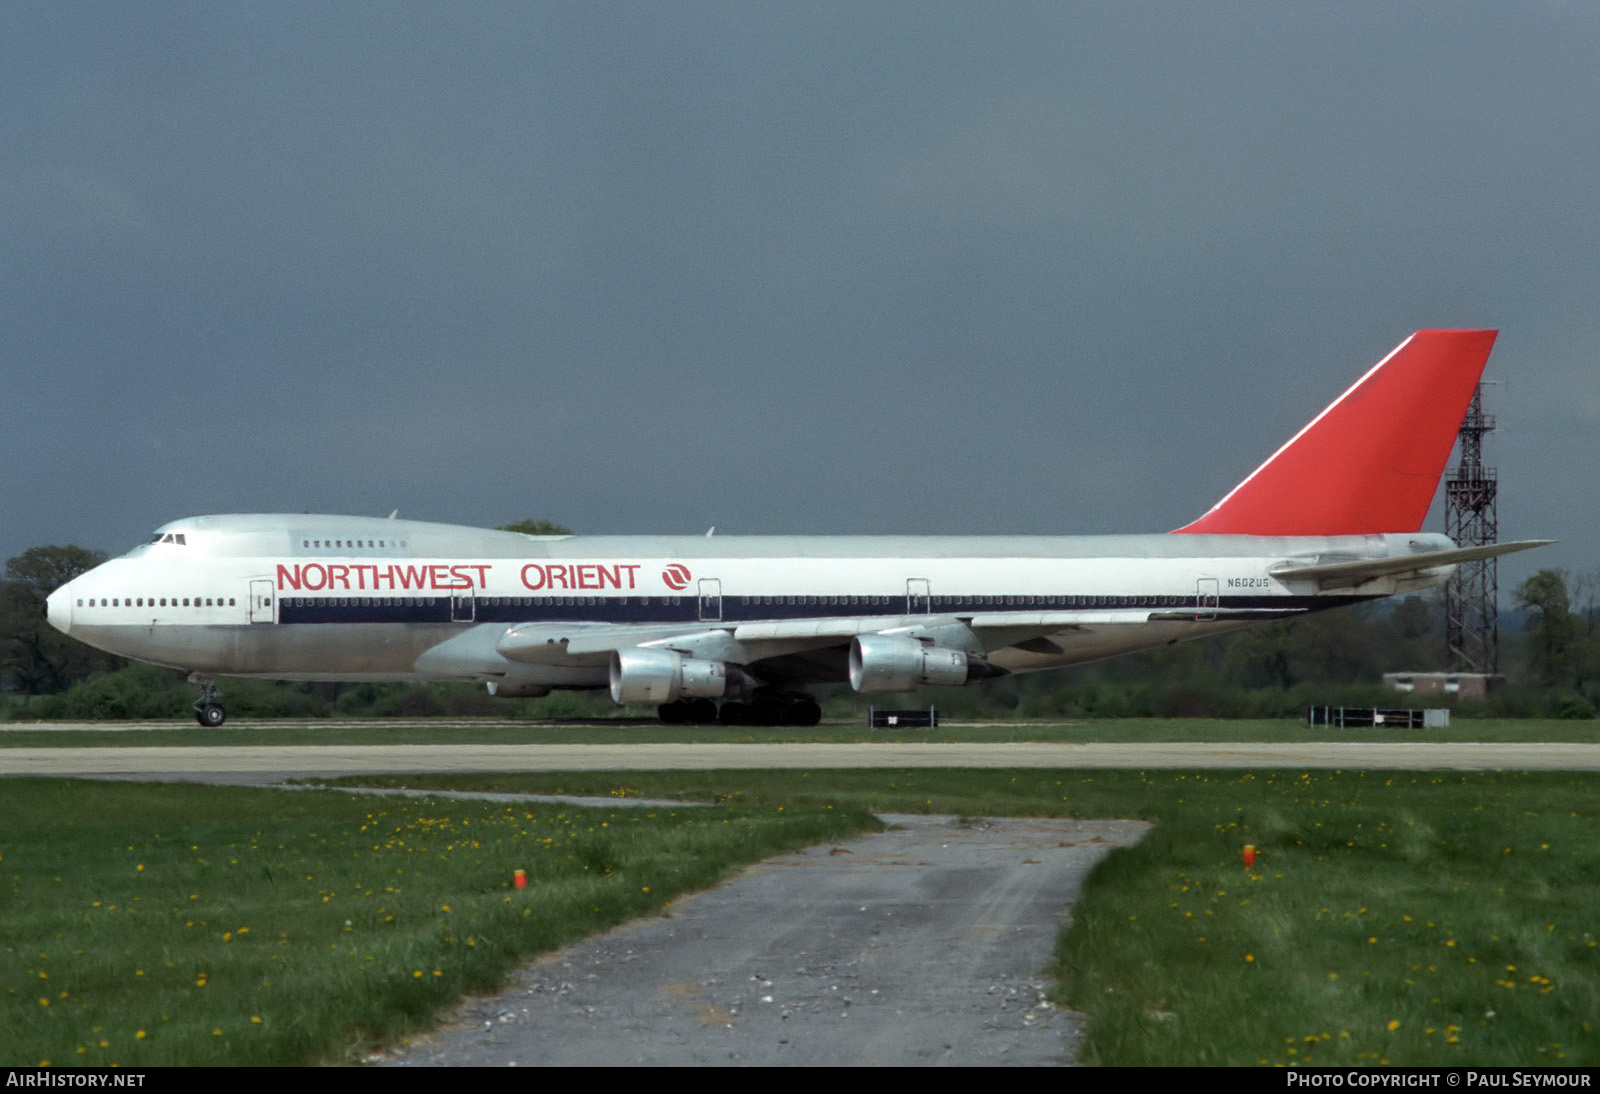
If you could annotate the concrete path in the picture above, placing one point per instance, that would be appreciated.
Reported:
(922, 945)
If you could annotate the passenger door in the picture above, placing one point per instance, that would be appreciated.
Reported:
(918, 600)
(710, 600)
(263, 601)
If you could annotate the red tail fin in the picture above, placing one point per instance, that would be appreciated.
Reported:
(1371, 461)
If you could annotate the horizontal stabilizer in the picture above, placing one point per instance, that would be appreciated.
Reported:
(1348, 574)
(1224, 615)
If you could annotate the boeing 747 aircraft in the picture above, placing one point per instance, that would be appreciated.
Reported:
(735, 628)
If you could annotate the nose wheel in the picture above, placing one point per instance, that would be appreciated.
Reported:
(207, 710)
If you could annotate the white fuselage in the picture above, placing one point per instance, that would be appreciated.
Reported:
(358, 598)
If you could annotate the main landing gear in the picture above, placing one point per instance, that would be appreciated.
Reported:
(207, 711)
(790, 708)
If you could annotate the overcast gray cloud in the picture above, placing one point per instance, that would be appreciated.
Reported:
(828, 267)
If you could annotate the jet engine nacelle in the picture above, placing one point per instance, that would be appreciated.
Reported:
(641, 675)
(891, 662)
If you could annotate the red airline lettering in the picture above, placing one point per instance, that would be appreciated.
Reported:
(317, 575)
(582, 575)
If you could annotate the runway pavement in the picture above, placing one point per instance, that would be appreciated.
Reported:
(332, 760)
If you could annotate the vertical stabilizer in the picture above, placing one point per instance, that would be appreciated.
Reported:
(1371, 461)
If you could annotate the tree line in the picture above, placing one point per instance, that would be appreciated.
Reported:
(1550, 655)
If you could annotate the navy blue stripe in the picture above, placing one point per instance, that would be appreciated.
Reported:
(686, 609)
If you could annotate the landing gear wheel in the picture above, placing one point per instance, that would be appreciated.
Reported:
(733, 713)
(674, 713)
(207, 711)
(805, 712)
(789, 708)
(765, 711)
(702, 712)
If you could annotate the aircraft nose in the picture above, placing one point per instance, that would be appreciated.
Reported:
(58, 609)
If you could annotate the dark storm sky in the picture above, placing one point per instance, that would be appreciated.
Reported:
(778, 268)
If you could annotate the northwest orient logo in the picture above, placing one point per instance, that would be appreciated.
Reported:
(676, 576)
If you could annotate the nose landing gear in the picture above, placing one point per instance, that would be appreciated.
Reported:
(207, 711)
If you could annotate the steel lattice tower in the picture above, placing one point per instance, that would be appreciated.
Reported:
(1471, 598)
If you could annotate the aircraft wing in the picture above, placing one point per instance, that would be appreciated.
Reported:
(1349, 573)
(565, 643)
(748, 643)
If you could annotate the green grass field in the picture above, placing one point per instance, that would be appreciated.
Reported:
(486, 731)
(171, 924)
(1403, 918)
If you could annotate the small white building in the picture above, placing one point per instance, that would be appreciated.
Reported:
(1467, 685)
